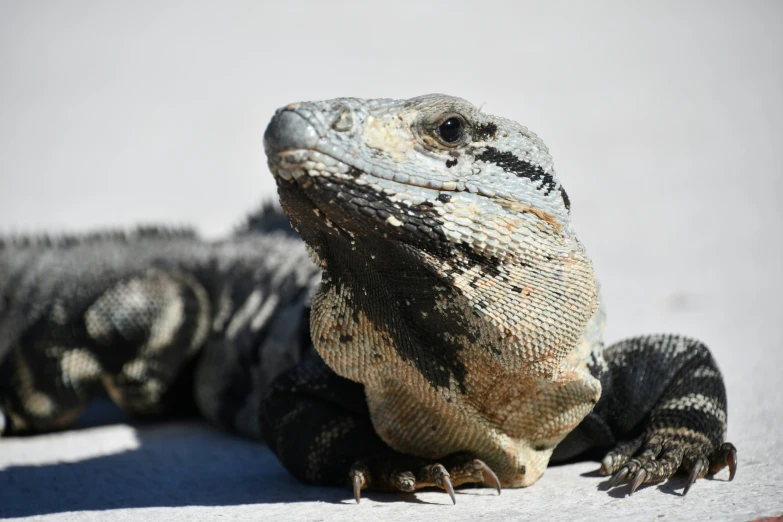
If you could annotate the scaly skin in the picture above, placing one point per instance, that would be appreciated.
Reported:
(160, 321)
(456, 292)
(458, 319)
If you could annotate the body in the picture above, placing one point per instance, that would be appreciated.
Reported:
(161, 321)
(458, 322)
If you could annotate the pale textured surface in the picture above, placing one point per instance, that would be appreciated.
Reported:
(664, 122)
(190, 472)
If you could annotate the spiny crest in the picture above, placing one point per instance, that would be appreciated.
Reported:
(268, 217)
(66, 240)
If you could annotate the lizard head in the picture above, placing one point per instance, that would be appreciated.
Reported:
(427, 171)
(452, 279)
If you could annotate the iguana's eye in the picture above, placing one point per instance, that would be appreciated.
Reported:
(451, 130)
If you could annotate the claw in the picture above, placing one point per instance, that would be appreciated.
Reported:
(732, 463)
(638, 479)
(446, 483)
(488, 476)
(694, 475)
(618, 477)
(357, 488)
(441, 477)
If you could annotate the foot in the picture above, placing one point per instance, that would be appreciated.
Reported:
(658, 457)
(395, 472)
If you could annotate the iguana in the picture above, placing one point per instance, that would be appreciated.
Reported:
(455, 316)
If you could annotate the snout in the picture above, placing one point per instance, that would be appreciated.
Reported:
(289, 131)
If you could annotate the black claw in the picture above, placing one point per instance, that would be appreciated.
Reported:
(638, 479)
(732, 463)
(694, 474)
(489, 476)
(618, 477)
(357, 488)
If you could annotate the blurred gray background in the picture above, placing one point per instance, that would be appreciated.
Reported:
(665, 120)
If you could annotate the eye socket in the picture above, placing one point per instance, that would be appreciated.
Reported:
(452, 130)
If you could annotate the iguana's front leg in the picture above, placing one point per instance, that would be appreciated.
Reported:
(318, 425)
(664, 401)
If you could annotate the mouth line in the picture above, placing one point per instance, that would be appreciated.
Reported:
(308, 181)
(354, 170)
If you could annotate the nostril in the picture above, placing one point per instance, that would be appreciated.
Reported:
(289, 131)
(344, 120)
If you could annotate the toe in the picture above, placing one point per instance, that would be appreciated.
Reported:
(440, 476)
(358, 476)
(732, 460)
(616, 458)
(488, 476)
(698, 470)
(446, 484)
(619, 477)
(725, 455)
(404, 481)
(638, 480)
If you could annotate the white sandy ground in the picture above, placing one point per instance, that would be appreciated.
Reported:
(188, 471)
(666, 125)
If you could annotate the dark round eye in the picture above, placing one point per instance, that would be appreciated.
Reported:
(451, 130)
